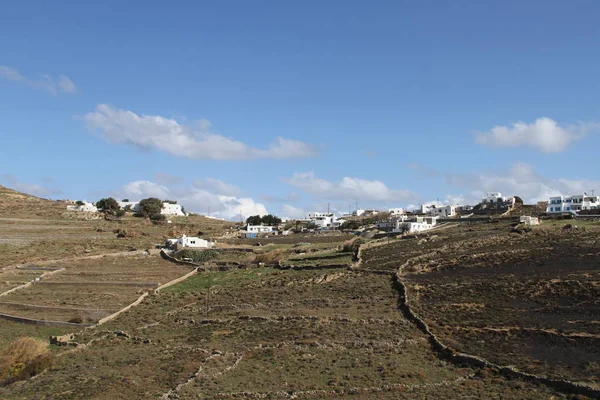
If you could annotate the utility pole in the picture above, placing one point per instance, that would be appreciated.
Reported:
(592, 192)
(327, 208)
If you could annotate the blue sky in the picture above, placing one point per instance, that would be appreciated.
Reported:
(288, 106)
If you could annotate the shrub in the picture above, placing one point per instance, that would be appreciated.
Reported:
(24, 358)
(76, 320)
(150, 207)
(270, 257)
(108, 205)
(198, 255)
(120, 213)
(158, 217)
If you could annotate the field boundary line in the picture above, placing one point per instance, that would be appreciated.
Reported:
(459, 358)
(41, 322)
(26, 285)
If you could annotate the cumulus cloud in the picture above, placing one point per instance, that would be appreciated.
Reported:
(348, 188)
(519, 179)
(195, 200)
(64, 84)
(545, 135)
(155, 132)
(143, 189)
(12, 182)
(217, 186)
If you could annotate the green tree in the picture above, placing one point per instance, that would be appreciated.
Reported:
(107, 205)
(254, 220)
(79, 203)
(150, 206)
(350, 225)
(270, 220)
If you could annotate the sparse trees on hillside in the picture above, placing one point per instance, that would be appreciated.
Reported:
(269, 220)
(254, 220)
(150, 206)
(107, 205)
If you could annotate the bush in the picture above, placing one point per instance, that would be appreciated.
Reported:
(76, 320)
(198, 255)
(150, 206)
(158, 217)
(270, 257)
(24, 358)
(107, 205)
(120, 213)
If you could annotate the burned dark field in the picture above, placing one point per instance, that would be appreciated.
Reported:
(531, 301)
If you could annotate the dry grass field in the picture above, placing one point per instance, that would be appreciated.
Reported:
(309, 323)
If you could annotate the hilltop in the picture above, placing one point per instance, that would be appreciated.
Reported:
(15, 204)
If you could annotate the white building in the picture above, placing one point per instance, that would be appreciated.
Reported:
(259, 229)
(172, 209)
(357, 213)
(496, 197)
(85, 207)
(420, 224)
(167, 208)
(315, 215)
(190, 242)
(572, 204)
(396, 211)
(443, 211)
(133, 205)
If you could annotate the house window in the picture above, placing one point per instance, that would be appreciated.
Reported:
(192, 241)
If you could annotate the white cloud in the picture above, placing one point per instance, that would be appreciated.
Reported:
(64, 83)
(29, 188)
(292, 212)
(164, 134)
(217, 186)
(520, 179)
(545, 135)
(195, 200)
(138, 190)
(351, 189)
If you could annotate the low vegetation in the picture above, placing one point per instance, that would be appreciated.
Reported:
(24, 358)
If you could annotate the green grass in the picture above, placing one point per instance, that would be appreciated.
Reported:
(231, 278)
(320, 259)
(11, 331)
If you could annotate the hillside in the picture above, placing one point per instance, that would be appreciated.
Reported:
(15, 204)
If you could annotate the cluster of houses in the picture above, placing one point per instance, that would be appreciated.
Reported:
(168, 208)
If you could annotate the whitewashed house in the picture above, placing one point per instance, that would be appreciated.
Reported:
(172, 209)
(193, 243)
(444, 211)
(167, 208)
(420, 224)
(133, 205)
(85, 207)
(572, 204)
(396, 211)
(496, 197)
(358, 213)
(259, 229)
(325, 221)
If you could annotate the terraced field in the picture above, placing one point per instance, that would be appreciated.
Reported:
(267, 333)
